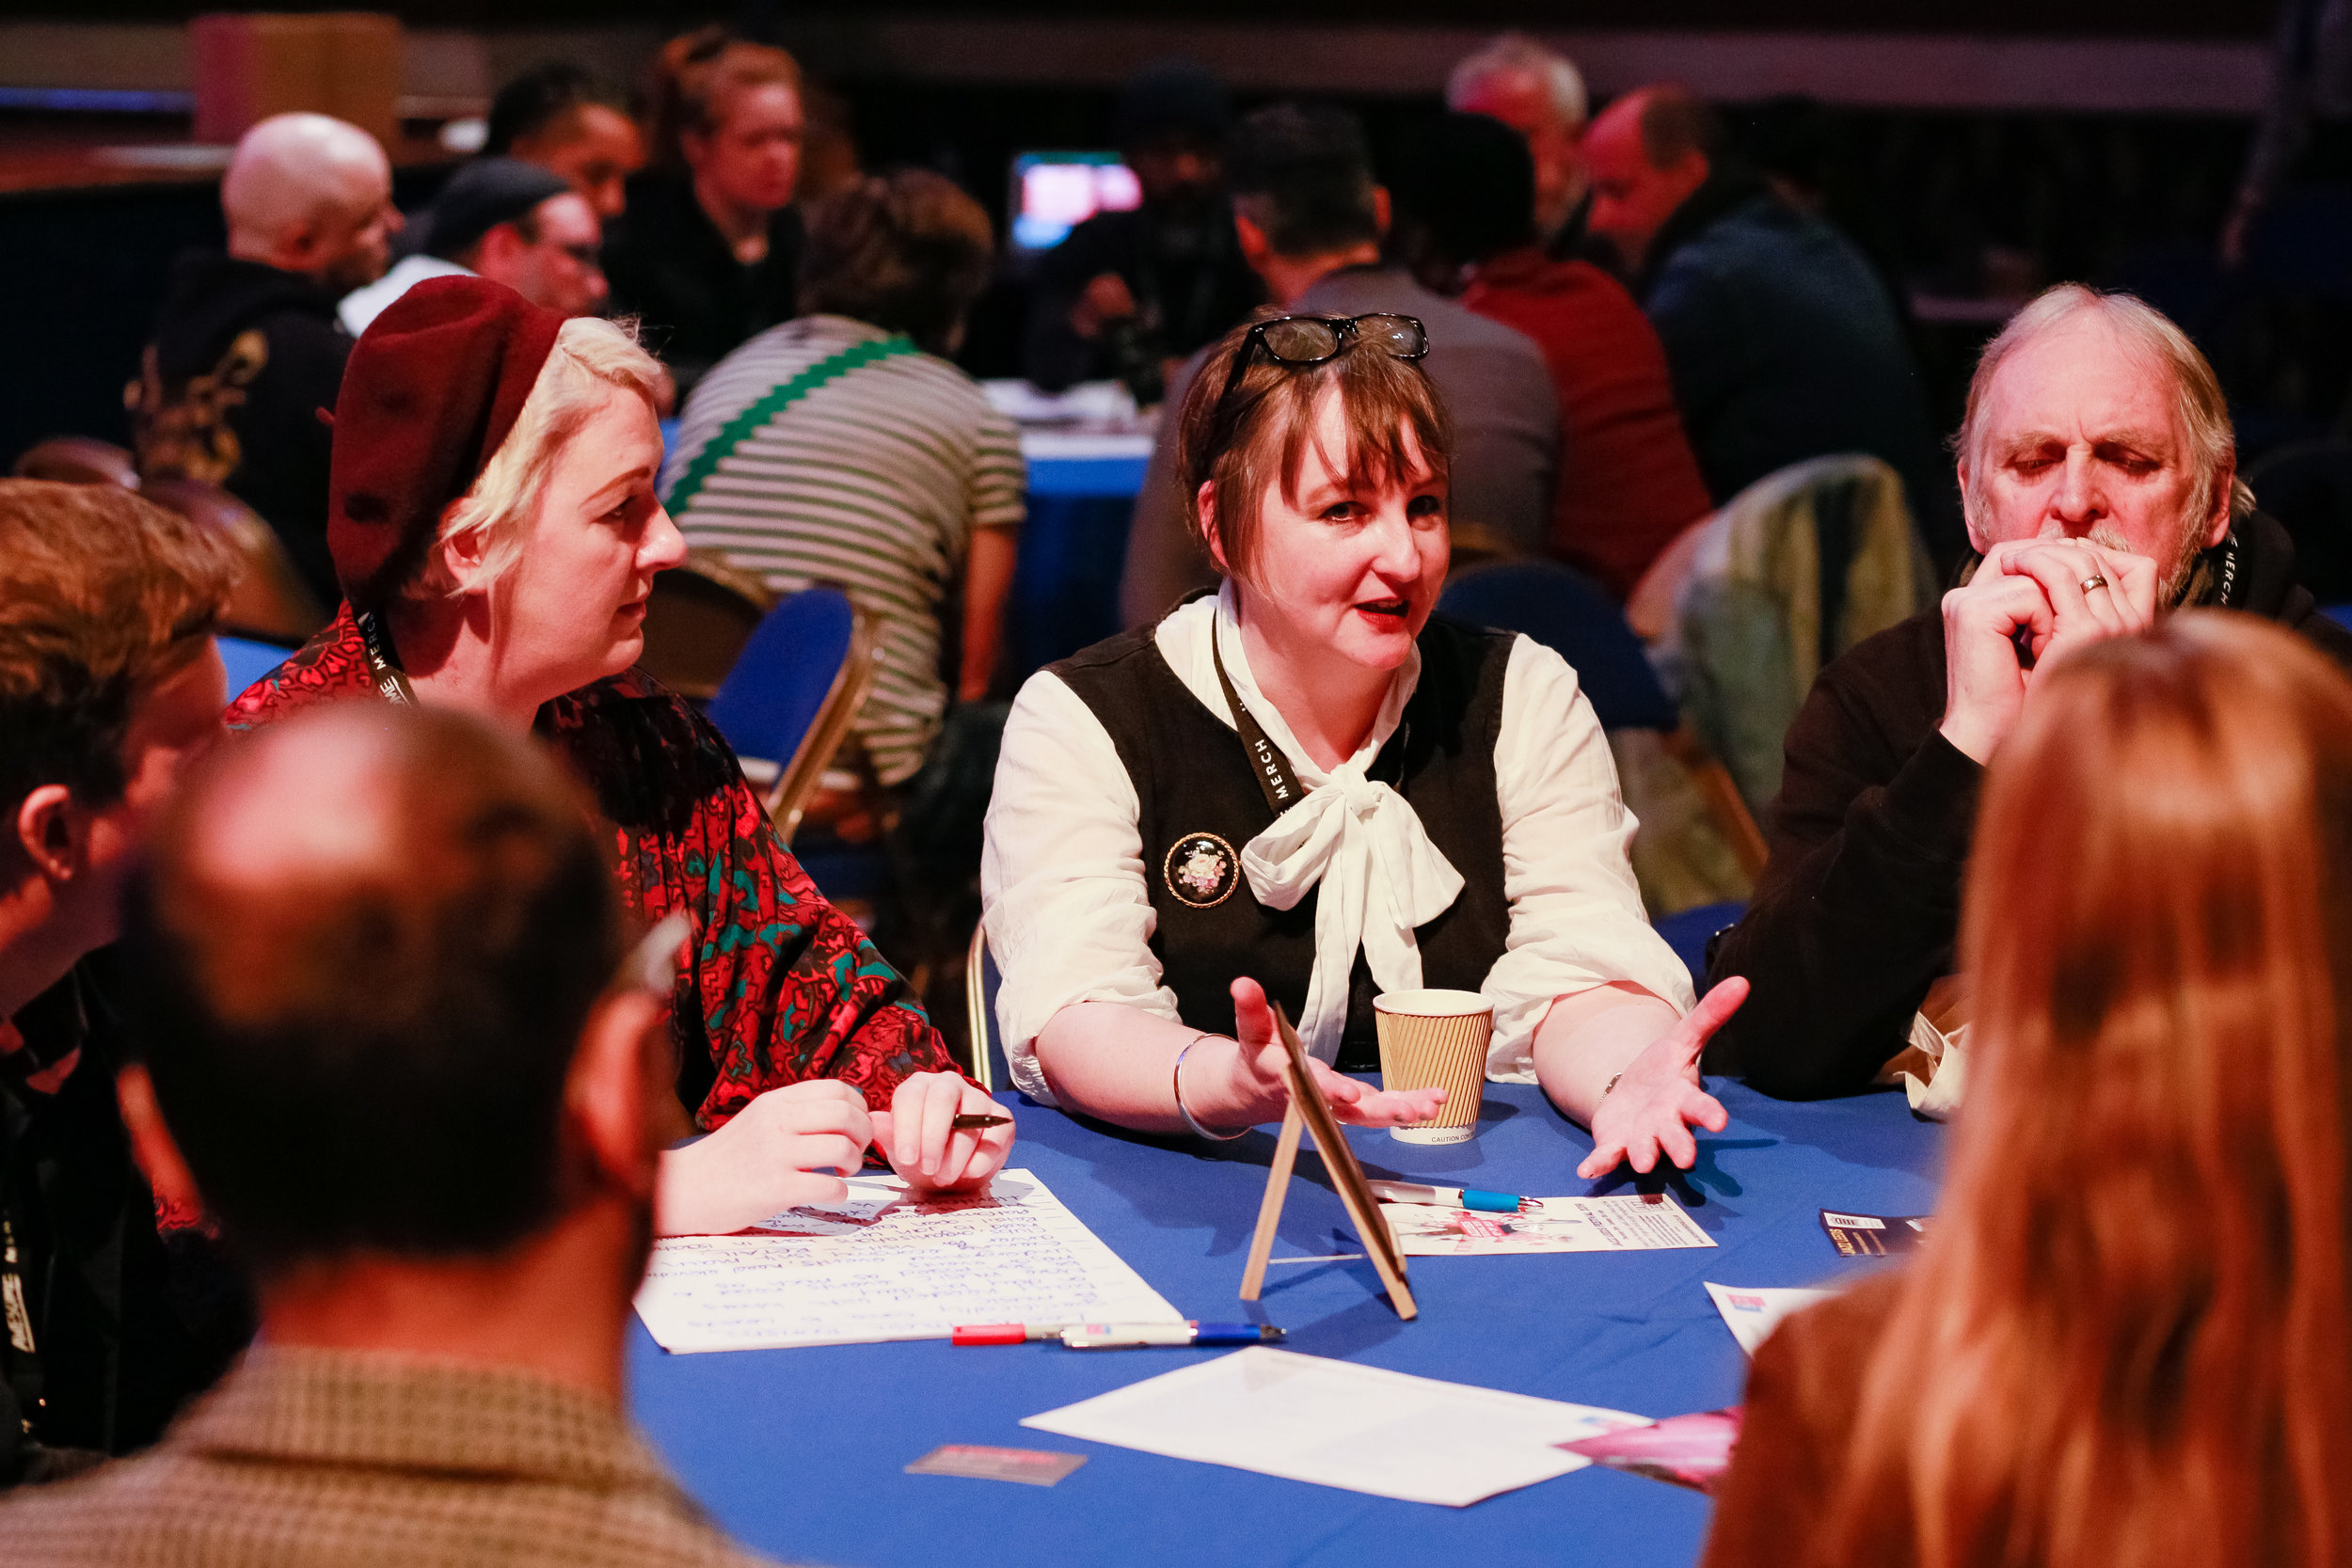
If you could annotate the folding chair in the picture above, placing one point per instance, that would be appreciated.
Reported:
(701, 615)
(788, 704)
(980, 983)
(1574, 616)
(270, 603)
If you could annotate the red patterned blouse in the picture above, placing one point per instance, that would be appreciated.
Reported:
(777, 986)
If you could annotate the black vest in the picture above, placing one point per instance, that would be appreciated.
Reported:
(1201, 803)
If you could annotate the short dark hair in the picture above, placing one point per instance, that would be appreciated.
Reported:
(542, 95)
(1676, 123)
(1302, 172)
(908, 252)
(101, 594)
(1468, 182)
(367, 1050)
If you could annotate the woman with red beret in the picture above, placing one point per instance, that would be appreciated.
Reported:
(493, 522)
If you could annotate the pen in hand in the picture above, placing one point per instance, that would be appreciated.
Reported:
(979, 1118)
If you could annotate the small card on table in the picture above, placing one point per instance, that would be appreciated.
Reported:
(1874, 1235)
(1030, 1466)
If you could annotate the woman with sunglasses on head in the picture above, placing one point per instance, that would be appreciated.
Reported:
(1307, 789)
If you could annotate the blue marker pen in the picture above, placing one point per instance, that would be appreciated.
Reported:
(1452, 1197)
(1131, 1335)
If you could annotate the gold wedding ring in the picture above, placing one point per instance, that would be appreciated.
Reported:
(2093, 581)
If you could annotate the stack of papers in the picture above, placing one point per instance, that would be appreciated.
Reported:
(879, 1266)
(1338, 1424)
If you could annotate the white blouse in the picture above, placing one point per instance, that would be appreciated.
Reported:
(1070, 918)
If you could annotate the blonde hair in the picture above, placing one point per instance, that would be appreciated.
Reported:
(2198, 400)
(591, 358)
(2130, 1342)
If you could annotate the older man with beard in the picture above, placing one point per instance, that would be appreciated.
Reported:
(2098, 475)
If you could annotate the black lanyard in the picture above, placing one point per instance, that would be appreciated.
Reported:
(392, 681)
(1273, 769)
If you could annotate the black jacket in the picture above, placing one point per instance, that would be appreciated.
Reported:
(1858, 908)
(1783, 346)
(670, 267)
(124, 1323)
(243, 357)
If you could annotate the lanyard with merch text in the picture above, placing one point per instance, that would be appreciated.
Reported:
(1266, 761)
(392, 681)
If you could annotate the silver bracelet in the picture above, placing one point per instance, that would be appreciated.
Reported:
(1610, 1085)
(1177, 1079)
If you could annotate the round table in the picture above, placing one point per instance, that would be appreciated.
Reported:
(800, 1453)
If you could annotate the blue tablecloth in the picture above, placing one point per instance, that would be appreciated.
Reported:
(799, 1452)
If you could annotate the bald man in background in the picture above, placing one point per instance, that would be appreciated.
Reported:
(246, 347)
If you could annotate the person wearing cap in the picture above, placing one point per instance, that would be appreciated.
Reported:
(506, 220)
(496, 530)
(1127, 292)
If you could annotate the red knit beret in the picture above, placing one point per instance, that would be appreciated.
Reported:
(430, 391)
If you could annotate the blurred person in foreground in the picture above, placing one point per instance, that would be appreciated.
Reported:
(1308, 788)
(498, 534)
(508, 221)
(108, 681)
(2100, 475)
(1127, 293)
(1310, 220)
(247, 349)
(576, 125)
(2128, 1338)
(1540, 95)
(1627, 484)
(891, 475)
(709, 252)
(1782, 340)
(391, 1037)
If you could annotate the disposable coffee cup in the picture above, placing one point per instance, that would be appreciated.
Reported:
(1436, 1040)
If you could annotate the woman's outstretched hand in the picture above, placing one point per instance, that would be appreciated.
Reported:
(1259, 1078)
(1658, 1099)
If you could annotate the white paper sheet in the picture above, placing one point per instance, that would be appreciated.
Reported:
(1753, 1312)
(1632, 1222)
(880, 1267)
(1338, 1424)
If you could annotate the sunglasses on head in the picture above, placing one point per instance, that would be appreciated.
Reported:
(1300, 340)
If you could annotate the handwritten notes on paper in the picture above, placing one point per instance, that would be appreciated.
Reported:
(1633, 1222)
(1337, 1423)
(882, 1266)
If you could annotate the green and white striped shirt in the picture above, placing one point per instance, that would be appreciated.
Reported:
(872, 480)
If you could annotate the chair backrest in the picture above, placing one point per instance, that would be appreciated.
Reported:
(1794, 570)
(247, 661)
(78, 460)
(270, 603)
(1574, 616)
(697, 621)
(981, 984)
(792, 694)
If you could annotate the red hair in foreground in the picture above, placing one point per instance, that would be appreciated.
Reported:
(2128, 1343)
